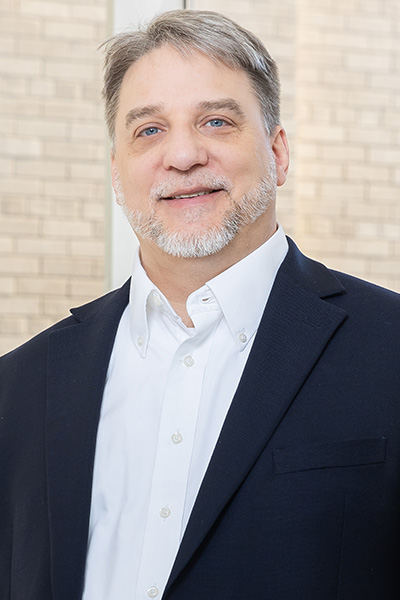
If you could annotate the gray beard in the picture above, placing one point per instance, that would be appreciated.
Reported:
(185, 244)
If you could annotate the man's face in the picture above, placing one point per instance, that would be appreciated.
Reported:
(193, 167)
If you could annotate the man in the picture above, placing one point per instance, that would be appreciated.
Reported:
(225, 426)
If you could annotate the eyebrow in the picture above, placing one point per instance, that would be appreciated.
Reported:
(144, 111)
(152, 109)
(225, 103)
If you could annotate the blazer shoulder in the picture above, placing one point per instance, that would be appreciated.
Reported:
(36, 348)
(369, 299)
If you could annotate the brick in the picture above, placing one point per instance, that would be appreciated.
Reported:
(370, 229)
(68, 208)
(8, 44)
(67, 229)
(67, 266)
(367, 211)
(20, 65)
(7, 166)
(42, 87)
(72, 30)
(13, 205)
(13, 86)
(43, 129)
(42, 286)
(385, 193)
(89, 289)
(71, 189)
(60, 108)
(6, 245)
(94, 211)
(22, 107)
(40, 207)
(21, 146)
(88, 171)
(41, 246)
(385, 155)
(5, 125)
(12, 324)
(325, 170)
(22, 27)
(366, 23)
(41, 168)
(18, 225)
(392, 231)
(323, 133)
(21, 186)
(39, 46)
(372, 247)
(88, 131)
(368, 62)
(7, 286)
(343, 191)
(69, 70)
(367, 173)
(44, 9)
(383, 81)
(90, 13)
(341, 153)
(67, 88)
(90, 248)
(19, 305)
(70, 150)
(343, 79)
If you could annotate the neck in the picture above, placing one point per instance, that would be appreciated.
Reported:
(178, 277)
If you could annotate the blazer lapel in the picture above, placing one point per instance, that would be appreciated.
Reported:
(295, 329)
(77, 365)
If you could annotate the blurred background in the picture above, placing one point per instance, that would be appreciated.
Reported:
(63, 241)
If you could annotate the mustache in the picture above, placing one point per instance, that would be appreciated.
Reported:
(207, 180)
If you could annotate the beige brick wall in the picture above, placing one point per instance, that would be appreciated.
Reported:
(348, 135)
(52, 162)
(340, 69)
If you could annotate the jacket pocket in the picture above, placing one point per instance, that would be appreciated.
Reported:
(346, 453)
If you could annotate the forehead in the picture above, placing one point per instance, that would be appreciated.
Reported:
(165, 77)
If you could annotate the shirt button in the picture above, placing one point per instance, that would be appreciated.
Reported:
(140, 340)
(188, 361)
(242, 338)
(177, 437)
(165, 512)
(152, 592)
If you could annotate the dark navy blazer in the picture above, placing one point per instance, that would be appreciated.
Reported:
(301, 499)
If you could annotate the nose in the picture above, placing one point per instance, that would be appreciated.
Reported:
(184, 149)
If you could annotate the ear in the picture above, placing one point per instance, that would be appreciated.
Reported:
(280, 148)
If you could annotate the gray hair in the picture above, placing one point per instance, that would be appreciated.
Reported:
(189, 31)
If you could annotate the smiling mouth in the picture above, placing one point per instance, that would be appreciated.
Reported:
(184, 196)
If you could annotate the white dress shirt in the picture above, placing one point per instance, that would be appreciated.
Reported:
(168, 390)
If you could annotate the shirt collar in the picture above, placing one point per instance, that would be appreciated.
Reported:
(239, 291)
(242, 290)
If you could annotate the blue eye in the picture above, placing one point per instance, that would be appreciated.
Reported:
(216, 123)
(149, 131)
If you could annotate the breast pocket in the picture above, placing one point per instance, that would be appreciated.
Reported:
(345, 453)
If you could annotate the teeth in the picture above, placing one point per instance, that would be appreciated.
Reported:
(191, 195)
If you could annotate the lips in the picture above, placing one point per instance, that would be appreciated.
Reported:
(180, 194)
